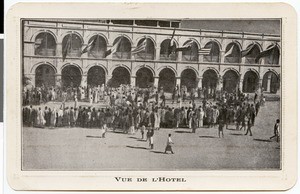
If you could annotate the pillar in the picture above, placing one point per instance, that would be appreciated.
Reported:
(156, 79)
(83, 81)
(200, 58)
(241, 85)
(179, 57)
(178, 81)
(220, 84)
(58, 81)
(200, 82)
(59, 49)
(107, 78)
(222, 56)
(260, 83)
(132, 80)
(109, 56)
(157, 53)
(243, 60)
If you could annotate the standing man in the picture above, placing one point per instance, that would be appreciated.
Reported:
(169, 145)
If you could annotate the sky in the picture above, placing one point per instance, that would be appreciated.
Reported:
(257, 26)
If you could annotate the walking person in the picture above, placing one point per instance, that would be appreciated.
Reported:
(276, 130)
(248, 117)
(169, 145)
(151, 143)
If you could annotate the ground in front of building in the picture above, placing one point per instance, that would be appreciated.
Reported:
(85, 149)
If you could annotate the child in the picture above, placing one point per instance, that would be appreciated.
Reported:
(276, 130)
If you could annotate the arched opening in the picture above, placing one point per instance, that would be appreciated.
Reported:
(167, 80)
(148, 53)
(123, 49)
(250, 83)
(96, 76)
(167, 53)
(214, 54)
(98, 47)
(270, 82)
(253, 53)
(230, 81)
(45, 44)
(209, 82)
(189, 79)
(71, 45)
(191, 53)
(44, 76)
(120, 75)
(273, 57)
(232, 53)
(71, 76)
(144, 78)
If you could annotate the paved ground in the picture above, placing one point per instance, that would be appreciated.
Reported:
(84, 149)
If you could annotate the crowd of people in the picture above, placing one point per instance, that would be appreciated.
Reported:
(130, 109)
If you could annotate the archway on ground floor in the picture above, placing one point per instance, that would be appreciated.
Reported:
(230, 81)
(44, 76)
(96, 76)
(71, 76)
(250, 82)
(188, 79)
(120, 75)
(210, 79)
(271, 82)
(167, 80)
(144, 78)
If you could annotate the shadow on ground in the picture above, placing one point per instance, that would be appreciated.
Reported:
(137, 147)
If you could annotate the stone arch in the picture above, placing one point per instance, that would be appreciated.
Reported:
(192, 53)
(274, 57)
(189, 79)
(94, 34)
(164, 46)
(141, 38)
(230, 79)
(209, 68)
(96, 75)
(76, 45)
(148, 53)
(230, 69)
(210, 79)
(97, 65)
(254, 42)
(99, 46)
(119, 75)
(194, 40)
(63, 35)
(125, 36)
(110, 71)
(144, 77)
(74, 64)
(45, 75)
(269, 70)
(33, 68)
(270, 82)
(206, 41)
(192, 68)
(45, 44)
(135, 70)
(33, 37)
(124, 49)
(71, 75)
(166, 66)
(250, 81)
(235, 57)
(215, 49)
(167, 79)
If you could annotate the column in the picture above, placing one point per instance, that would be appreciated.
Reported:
(132, 80)
(84, 81)
(59, 49)
(200, 58)
(179, 57)
(157, 53)
(260, 86)
(109, 56)
(241, 85)
(178, 81)
(220, 84)
(222, 55)
(269, 82)
(200, 82)
(156, 79)
(58, 81)
(243, 60)
(107, 78)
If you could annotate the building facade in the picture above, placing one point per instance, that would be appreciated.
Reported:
(52, 56)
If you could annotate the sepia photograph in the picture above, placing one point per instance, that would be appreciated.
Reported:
(154, 94)
(130, 98)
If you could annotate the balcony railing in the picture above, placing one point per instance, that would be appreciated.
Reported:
(232, 60)
(122, 55)
(45, 52)
(208, 58)
(144, 56)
